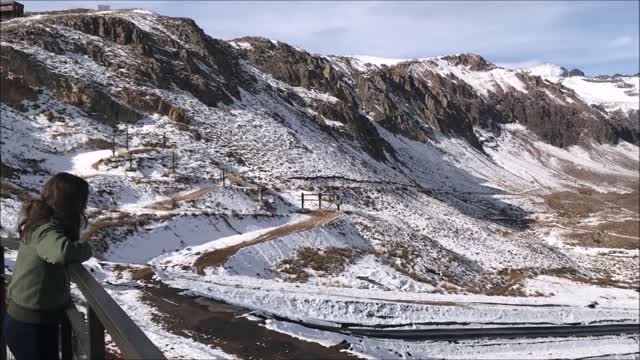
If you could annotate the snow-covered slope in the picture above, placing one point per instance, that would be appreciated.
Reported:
(280, 143)
(481, 80)
(546, 71)
(444, 167)
(611, 92)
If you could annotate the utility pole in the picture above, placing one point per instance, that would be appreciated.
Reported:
(113, 141)
(114, 131)
(127, 135)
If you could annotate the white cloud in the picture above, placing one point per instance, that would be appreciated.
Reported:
(622, 41)
(520, 64)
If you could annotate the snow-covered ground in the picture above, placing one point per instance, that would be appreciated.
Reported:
(481, 81)
(548, 167)
(619, 93)
(328, 305)
(618, 347)
(427, 247)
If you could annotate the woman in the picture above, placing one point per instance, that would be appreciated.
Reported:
(39, 290)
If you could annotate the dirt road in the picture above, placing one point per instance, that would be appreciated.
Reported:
(219, 257)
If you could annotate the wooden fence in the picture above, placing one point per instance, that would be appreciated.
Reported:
(329, 199)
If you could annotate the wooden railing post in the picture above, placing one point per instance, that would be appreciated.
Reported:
(3, 344)
(302, 205)
(96, 336)
(320, 201)
(66, 346)
(79, 331)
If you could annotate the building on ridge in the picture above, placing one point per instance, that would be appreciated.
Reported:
(10, 9)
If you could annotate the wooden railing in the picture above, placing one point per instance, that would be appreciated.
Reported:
(328, 198)
(80, 338)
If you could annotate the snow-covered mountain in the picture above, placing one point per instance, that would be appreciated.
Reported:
(456, 176)
(614, 93)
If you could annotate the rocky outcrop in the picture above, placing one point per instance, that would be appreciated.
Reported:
(152, 104)
(626, 125)
(112, 29)
(576, 72)
(389, 96)
(188, 60)
(472, 61)
(557, 124)
(554, 113)
(88, 97)
(301, 69)
(14, 90)
(568, 73)
(419, 105)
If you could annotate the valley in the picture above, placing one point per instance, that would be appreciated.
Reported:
(472, 196)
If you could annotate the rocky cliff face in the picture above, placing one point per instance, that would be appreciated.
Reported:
(207, 68)
(417, 99)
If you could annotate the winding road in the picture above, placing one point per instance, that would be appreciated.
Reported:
(470, 333)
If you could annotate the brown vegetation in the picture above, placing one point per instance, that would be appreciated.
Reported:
(122, 219)
(510, 282)
(100, 144)
(7, 189)
(618, 224)
(329, 261)
(584, 202)
(144, 274)
(171, 203)
(614, 234)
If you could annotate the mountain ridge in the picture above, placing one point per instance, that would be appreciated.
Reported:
(447, 130)
(459, 182)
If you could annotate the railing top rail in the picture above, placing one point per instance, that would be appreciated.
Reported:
(9, 243)
(130, 339)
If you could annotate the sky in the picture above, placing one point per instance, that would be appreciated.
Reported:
(598, 37)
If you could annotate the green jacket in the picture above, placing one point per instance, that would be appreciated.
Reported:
(39, 290)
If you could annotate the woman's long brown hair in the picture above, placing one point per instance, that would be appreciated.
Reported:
(63, 199)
